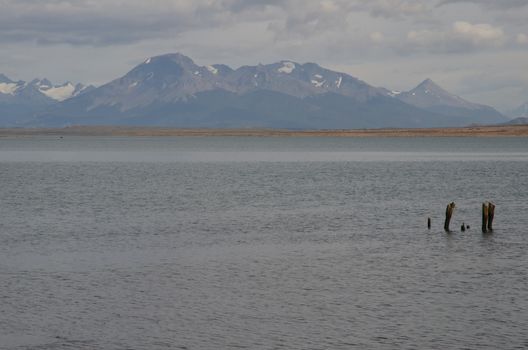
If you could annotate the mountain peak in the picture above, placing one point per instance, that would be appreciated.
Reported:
(431, 91)
(44, 83)
(431, 96)
(165, 64)
(173, 57)
(5, 79)
(428, 84)
(160, 69)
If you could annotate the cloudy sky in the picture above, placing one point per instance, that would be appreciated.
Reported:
(476, 49)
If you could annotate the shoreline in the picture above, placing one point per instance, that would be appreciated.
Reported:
(472, 131)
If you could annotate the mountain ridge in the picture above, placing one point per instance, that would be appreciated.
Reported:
(173, 90)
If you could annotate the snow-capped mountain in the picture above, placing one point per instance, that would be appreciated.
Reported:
(430, 96)
(175, 78)
(19, 92)
(172, 90)
(60, 92)
(20, 101)
(7, 86)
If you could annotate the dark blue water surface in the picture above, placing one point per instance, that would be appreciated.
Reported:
(262, 243)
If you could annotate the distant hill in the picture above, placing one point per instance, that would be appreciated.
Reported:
(519, 112)
(517, 121)
(171, 90)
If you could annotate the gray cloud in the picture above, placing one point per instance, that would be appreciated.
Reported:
(460, 38)
(120, 22)
(394, 8)
(99, 23)
(84, 22)
(494, 4)
(511, 13)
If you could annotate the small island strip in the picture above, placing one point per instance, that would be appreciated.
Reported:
(471, 131)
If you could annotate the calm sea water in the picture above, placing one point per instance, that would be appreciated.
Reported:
(262, 243)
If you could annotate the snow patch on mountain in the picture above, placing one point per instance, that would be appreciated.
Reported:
(394, 93)
(339, 81)
(8, 88)
(318, 83)
(287, 67)
(58, 93)
(212, 69)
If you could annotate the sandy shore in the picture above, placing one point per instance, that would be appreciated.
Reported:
(480, 131)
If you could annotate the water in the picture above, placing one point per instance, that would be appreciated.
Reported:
(261, 243)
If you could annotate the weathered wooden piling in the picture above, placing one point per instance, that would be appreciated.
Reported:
(485, 211)
(463, 227)
(491, 214)
(429, 223)
(449, 213)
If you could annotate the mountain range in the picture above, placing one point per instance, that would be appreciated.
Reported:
(171, 90)
(22, 101)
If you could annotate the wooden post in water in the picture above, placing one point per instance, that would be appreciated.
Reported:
(449, 213)
(429, 223)
(491, 214)
(485, 209)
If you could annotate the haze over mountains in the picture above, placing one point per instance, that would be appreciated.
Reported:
(171, 90)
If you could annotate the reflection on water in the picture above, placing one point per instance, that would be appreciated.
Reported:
(208, 243)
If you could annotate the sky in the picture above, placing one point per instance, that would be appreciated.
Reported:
(475, 49)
